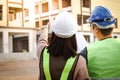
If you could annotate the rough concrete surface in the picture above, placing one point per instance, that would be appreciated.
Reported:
(19, 70)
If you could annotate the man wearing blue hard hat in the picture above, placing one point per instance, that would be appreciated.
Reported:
(103, 55)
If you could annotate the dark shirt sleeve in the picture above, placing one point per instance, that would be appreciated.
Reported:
(84, 54)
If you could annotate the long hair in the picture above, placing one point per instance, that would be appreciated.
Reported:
(66, 47)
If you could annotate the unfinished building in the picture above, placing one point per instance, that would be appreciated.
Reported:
(46, 10)
(17, 30)
(20, 21)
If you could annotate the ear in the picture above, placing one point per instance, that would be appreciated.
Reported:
(96, 29)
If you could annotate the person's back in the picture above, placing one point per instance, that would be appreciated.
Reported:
(103, 60)
(59, 60)
(57, 65)
(103, 55)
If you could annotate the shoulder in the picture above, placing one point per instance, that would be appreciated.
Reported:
(81, 60)
(83, 53)
(81, 69)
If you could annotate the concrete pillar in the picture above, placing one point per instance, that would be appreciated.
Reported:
(50, 11)
(5, 42)
(91, 38)
(32, 43)
(60, 5)
(10, 44)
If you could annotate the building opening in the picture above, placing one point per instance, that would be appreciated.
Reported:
(45, 7)
(20, 42)
(1, 42)
(66, 3)
(0, 12)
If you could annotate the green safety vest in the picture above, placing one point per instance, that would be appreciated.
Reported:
(66, 69)
(104, 59)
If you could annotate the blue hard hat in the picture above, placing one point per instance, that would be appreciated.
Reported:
(102, 17)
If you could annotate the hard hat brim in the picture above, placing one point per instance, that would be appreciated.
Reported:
(104, 24)
(107, 24)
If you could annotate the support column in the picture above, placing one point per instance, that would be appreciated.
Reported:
(10, 44)
(32, 43)
(92, 39)
(60, 5)
(5, 42)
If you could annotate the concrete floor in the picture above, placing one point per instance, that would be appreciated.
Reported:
(19, 70)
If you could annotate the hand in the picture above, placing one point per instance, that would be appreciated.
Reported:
(45, 26)
(48, 26)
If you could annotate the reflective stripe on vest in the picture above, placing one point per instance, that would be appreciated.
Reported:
(66, 69)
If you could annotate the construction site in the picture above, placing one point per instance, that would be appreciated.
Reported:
(20, 22)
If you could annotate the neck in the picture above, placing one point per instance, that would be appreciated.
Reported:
(105, 37)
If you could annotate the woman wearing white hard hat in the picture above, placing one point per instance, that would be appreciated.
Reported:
(59, 60)
(103, 55)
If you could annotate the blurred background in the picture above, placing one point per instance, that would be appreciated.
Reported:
(20, 21)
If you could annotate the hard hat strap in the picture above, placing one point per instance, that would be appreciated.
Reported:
(103, 20)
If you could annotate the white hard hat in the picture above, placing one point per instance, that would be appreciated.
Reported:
(64, 25)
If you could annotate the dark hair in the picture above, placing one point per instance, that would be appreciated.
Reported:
(104, 32)
(65, 47)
